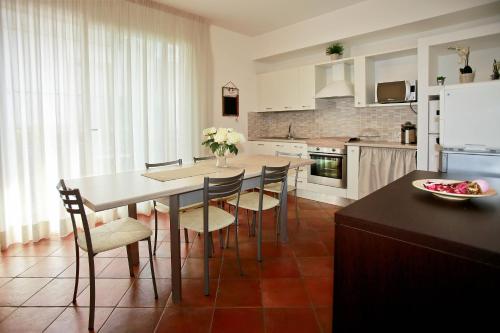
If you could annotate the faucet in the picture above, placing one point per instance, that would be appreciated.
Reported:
(290, 132)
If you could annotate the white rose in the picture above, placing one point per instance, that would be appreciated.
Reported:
(229, 130)
(221, 135)
(233, 138)
(209, 131)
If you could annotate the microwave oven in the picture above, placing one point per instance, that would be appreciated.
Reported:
(396, 92)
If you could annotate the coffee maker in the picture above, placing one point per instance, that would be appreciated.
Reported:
(408, 133)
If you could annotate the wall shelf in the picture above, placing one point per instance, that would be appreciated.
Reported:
(373, 105)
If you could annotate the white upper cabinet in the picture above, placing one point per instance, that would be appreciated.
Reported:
(287, 90)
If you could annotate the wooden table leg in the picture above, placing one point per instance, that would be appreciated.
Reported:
(284, 215)
(133, 249)
(175, 248)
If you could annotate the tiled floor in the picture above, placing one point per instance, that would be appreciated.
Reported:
(290, 291)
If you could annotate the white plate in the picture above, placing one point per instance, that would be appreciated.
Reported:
(450, 196)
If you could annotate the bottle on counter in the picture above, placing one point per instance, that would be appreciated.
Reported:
(408, 133)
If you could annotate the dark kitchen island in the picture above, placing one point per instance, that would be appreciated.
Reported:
(406, 260)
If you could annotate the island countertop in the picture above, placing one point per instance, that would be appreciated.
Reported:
(469, 229)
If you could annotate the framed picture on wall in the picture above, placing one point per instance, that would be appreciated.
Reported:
(230, 100)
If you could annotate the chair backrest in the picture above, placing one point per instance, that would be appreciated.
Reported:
(297, 169)
(73, 203)
(203, 158)
(156, 165)
(272, 175)
(214, 188)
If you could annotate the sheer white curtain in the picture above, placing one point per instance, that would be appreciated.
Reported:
(91, 87)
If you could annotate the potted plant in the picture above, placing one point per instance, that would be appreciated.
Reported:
(440, 80)
(496, 73)
(220, 141)
(466, 73)
(335, 51)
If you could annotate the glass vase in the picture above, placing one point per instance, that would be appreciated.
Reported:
(221, 161)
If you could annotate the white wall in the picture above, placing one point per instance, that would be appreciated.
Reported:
(231, 56)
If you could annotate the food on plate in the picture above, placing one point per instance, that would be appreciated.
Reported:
(478, 186)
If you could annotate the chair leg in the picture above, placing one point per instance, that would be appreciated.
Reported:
(130, 263)
(212, 247)
(259, 238)
(152, 267)
(221, 239)
(77, 275)
(237, 248)
(156, 231)
(207, 240)
(248, 223)
(296, 208)
(228, 231)
(186, 235)
(254, 217)
(92, 292)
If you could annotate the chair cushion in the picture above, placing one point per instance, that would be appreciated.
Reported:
(217, 219)
(165, 209)
(115, 234)
(250, 201)
(276, 188)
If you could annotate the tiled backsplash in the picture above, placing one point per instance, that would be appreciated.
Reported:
(334, 117)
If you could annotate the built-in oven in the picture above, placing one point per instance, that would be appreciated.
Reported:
(330, 167)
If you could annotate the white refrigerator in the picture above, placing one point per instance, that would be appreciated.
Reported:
(469, 128)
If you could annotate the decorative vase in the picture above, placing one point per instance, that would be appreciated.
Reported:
(440, 82)
(466, 78)
(221, 161)
(335, 56)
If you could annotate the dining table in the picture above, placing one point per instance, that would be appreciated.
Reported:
(177, 186)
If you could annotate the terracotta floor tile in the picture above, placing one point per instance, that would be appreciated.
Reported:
(133, 320)
(118, 268)
(37, 250)
(112, 253)
(277, 293)
(279, 268)
(320, 223)
(192, 294)
(13, 266)
(247, 251)
(76, 319)
(304, 234)
(163, 250)
(162, 269)
(67, 249)
(239, 293)
(197, 251)
(22, 321)
(193, 268)
(276, 249)
(5, 311)
(230, 270)
(185, 320)
(48, 267)
(108, 292)
(316, 266)
(245, 320)
(309, 249)
(290, 320)
(141, 294)
(99, 265)
(17, 291)
(320, 290)
(325, 318)
(58, 292)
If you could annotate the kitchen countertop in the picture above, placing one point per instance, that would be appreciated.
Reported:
(382, 144)
(279, 140)
(469, 229)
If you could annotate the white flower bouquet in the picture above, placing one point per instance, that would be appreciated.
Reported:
(222, 140)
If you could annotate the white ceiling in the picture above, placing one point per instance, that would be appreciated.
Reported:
(255, 17)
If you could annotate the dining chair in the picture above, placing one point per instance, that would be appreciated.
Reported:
(210, 218)
(258, 201)
(162, 208)
(203, 158)
(276, 187)
(112, 235)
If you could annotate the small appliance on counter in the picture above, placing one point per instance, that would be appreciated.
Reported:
(396, 92)
(408, 133)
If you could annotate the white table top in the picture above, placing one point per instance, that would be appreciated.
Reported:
(121, 189)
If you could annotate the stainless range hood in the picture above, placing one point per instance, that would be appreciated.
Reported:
(339, 84)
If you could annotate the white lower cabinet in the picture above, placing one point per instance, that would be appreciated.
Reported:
(353, 172)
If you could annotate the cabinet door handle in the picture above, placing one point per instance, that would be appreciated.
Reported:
(269, 108)
(305, 106)
(260, 144)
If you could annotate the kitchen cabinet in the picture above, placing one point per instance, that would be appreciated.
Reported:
(287, 90)
(353, 172)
